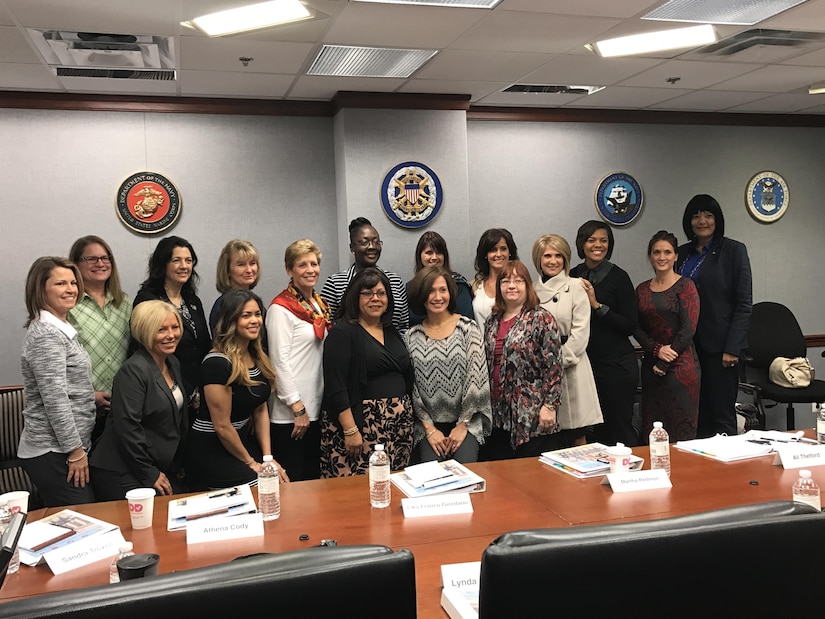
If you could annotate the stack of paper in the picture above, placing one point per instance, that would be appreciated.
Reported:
(215, 504)
(437, 478)
(585, 461)
(752, 444)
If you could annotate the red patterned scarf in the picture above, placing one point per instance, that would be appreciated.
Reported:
(296, 302)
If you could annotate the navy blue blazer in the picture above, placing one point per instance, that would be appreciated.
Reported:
(725, 295)
(145, 431)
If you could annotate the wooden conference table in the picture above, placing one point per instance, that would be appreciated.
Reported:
(520, 494)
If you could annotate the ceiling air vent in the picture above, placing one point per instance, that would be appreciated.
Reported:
(553, 89)
(121, 74)
(760, 44)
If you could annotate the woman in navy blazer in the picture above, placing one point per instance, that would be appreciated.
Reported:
(142, 444)
(721, 270)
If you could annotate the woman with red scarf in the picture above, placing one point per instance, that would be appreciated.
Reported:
(297, 324)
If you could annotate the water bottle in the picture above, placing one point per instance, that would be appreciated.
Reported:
(124, 550)
(5, 520)
(805, 490)
(269, 490)
(379, 477)
(820, 425)
(659, 448)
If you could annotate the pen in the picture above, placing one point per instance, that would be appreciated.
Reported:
(230, 492)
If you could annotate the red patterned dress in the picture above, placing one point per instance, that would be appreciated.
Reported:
(669, 317)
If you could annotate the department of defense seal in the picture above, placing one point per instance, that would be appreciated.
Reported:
(148, 202)
(619, 198)
(767, 196)
(411, 194)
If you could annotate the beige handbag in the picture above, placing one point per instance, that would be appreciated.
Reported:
(793, 373)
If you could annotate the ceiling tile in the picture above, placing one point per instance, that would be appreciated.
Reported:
(480, 66)
(589, 69)
(777, 104)
(807, 16)
(774, 78)
(476, 90)
(511, 31)
(622, 97)
(322, 87)
(813, 59)
(28, 77)
(221, 54)
(233, 84)
(525, 99)
(691, 74)
(595, 8)
(708, 101)
(15, 48)
(119, 86)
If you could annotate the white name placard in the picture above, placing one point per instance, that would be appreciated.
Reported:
(637, 480)
(219, 529)
(83, 552)
(438, 505)
(799, 456)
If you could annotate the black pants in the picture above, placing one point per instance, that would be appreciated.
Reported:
(717, 396)
(497, 446)
(302, 458)
(616, 382)
(48, 472)
(113, 486)
(466, 452)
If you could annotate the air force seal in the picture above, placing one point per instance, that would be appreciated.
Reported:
(767, 197)
(147, 202)
(411, 194)
(618, 198)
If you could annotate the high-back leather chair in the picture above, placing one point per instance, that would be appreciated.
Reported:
(12, 474)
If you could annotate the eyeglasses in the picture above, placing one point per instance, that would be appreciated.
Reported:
(365, 244)
(514, 282)
(95, 259)
(369, 294)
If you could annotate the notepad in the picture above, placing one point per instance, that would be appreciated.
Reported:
(726, 448)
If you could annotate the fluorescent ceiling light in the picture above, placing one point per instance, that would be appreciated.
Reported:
(731, 12)
(554, 89)
(250, 17)
(662, 40)
(463, 4)
(817, 89)
(348, 61)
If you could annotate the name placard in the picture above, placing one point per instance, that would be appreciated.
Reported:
(438, 505)
(799, 456)
(84, 551)
(637, 480)
(220, 529)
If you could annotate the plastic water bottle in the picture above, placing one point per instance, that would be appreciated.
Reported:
(805, 490)
(820, 425)
(659, 448)
(5, 520)
(379, 477)
(124, 550)
(269, 490)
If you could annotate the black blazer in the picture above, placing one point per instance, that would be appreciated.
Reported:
(193, 345)
(145, 432)
(725, 296)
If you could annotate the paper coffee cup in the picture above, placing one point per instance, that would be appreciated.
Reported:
(141, 507)
(619, 458)
(18, 501)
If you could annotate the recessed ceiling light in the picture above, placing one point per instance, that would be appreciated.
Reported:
(348, 61)
(648, 42)
(554, 89)
(734, 12)
(817, 89)
(463, 4)
(250, 17)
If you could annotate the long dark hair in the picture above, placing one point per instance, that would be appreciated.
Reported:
(365, 280)
(437, 242)
(161, 257)
(488, 240)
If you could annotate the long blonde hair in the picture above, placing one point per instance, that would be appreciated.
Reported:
(225, 342)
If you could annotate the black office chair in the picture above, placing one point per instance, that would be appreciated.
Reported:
(774, 332)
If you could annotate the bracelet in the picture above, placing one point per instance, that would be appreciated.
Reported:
(300, 413)
(251, 461)
(78, 459)
(351, 431)
(430, 433)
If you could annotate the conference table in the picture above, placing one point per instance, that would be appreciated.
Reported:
(520, 494)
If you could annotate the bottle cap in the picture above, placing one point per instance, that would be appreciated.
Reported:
(657, 424)
(268, 458)
(805, 474)
(379, 447)
(126, 547)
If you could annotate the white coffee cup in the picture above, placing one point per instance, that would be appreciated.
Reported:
(619, 458)
(18, 501)
(141, 507)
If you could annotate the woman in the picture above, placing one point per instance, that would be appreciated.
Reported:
(368, 378)
(524, 361)
(238, 268)
(365, 245)
(142, 445)
(495, 249)
(101, 317)
(432, 251)
(721, 270)
(172, 278)
(566, 299)
(57, 375)
(612, 321)
(230, 435)
(451, 396)
(297, 323)
(668, 311)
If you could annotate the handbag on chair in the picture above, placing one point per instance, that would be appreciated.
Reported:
(793, 373)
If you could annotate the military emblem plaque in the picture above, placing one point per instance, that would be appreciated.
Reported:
(411, 195)
(767, 196)
(148, 203)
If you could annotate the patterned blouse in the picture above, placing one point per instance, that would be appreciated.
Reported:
(451, 379)
(530, 372)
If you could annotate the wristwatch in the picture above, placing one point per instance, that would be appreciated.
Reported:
(299, 413)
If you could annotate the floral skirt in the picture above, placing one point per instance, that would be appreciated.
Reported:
(388, 421)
